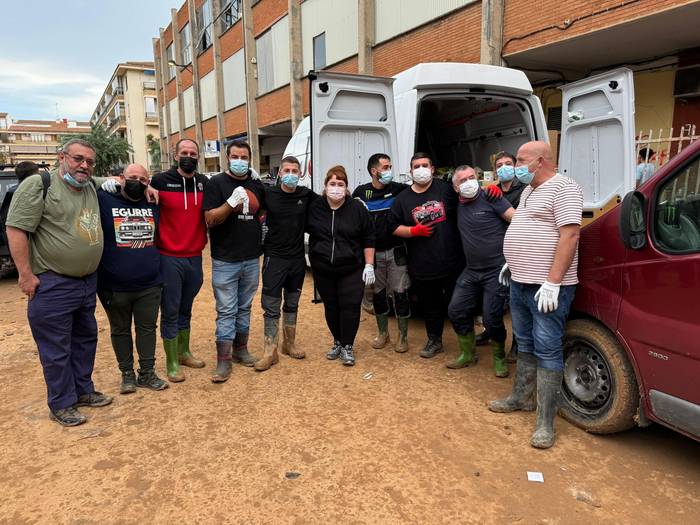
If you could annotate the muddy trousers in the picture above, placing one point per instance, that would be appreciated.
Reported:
(434, 296)
(282, 277)
(182, 280)
(341, 291)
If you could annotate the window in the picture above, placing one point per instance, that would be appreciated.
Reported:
(150, 107)
(37, 137)
(204, 20)
(320, 51)
(185, 40)
(170, 55)
(677, 211)
(231, 14)
(272, 49)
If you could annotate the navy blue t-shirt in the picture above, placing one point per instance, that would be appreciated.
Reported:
(482, 229)
(130, 260)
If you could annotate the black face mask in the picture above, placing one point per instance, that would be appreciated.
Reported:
(134, 189)
(187, 164)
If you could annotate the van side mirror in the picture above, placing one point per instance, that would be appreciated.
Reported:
(633, 224)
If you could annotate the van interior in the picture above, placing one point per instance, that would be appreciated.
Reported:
(470, 128)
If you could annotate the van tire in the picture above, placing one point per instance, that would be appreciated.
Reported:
(590, 347)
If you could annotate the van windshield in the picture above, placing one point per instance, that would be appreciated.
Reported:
(470, 129)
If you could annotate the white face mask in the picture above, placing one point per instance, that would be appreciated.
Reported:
(469, 188)
(421, 175)
(335, 193)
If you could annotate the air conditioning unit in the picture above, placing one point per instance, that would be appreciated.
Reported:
(687, 82)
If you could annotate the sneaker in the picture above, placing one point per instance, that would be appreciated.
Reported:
(432, 348)
(128, 383)
(68, 417)
(93, 399)
(149, 379)
(347, 355)
(334, 352)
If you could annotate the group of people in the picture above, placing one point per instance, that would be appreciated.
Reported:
(136, 243)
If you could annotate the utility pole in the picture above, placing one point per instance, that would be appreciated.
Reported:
(251, 81)
(296, 64)
(492, 12)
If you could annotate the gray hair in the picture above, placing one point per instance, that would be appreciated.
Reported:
(462, 167)
(80, 142)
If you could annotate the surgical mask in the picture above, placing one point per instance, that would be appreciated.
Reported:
(134, 189)
(421, 175)
(238, 166)
(290, 180)
(335, 193)
(385, 177)
(76, 184)
(505, 173)
(187, 164)
(469, 188)
(524, 174)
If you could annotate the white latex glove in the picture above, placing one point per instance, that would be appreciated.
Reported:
(110, 186)
(547, 297)
(504, 276)
(239, 196)
(368, 274)
(265, 230)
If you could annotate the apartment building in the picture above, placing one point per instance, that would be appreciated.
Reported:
(128, 108)
(239, 69)
(34, 140)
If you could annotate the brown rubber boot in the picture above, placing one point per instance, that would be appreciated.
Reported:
(269, 356)
(288, 347)
(223, 362)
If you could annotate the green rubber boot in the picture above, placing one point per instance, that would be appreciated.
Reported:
(383, 336)
(467, 354)
(402, 345)
(172, 362)
(185, 357)
(500, 367)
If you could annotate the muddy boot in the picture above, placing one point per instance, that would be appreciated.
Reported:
(432, 347)
(500, 367)
(240, 350)
(548, 385)
(467, 355)
(128, 385)
(269, 356)
(512, 356)
(402, 345)
(172, 362)
(382, 337)
(183, 350)
(223, 362)
(482, 339)
(289, 331)
(522, 396)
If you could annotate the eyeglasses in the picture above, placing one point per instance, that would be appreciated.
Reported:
(79, 159)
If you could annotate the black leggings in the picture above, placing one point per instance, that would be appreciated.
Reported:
(341, 293)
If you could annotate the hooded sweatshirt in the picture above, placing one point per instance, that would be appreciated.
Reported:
(182, 231)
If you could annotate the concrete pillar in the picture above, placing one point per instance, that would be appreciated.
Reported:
(365, 36)
(251, 84)
(219, 79)
(194, 32)
(178, 73)
(162, 124)
(296, 64)
(163, 76)
(492, 12)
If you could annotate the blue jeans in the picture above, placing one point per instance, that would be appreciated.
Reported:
(234, 286)
(537, 333)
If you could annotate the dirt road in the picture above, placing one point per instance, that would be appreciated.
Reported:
(413, 443)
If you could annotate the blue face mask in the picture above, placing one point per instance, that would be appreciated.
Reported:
(290, 180)
(238, 166)
(385, 177)
(524, 174)
(70, 180)
(505, 173)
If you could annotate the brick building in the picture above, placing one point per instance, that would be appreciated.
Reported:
(235, 69)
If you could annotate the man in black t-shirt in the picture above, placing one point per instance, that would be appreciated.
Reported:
(284, 264)
(233, 204)
(425, 215)
(390, 256)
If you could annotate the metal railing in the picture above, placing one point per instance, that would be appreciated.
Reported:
(664, 145)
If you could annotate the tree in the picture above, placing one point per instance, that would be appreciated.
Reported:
(153, 150)
(111, 150)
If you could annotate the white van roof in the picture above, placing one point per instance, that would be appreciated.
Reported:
(453, 74)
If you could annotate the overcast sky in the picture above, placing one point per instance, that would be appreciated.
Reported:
(64, 51)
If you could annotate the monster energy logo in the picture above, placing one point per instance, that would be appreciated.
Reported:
(368, 194)
(670, 215)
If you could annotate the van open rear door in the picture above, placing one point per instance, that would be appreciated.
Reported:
(352, 117)
(597, 138)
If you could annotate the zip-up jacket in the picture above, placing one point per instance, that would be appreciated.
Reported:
(182, 231)
(338, 237)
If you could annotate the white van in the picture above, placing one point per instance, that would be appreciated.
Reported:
(463, 114)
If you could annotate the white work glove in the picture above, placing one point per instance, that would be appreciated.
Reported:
(239, 196)
(547, 297)
(368, 274)
(110, 186)
(504, 276)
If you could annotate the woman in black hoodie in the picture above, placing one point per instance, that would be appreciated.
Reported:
(341, 251)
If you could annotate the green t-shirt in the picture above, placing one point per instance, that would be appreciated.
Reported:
(66, 234)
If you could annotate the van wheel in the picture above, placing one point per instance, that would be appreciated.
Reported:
(599, 389)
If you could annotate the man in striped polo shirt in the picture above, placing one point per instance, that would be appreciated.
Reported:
(541, 251)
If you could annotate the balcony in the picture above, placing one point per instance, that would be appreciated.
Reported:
(114, 123)
(149, 84)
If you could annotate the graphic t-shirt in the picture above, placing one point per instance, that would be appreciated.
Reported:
(239, 237)
(130, 261)
(66, 235)
(482, 228)
(379, 205)
(286, 219)
(438, 255)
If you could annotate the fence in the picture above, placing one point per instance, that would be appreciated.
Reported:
(663, 144)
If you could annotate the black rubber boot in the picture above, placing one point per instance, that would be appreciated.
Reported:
(548, 387)
(223, 362)
(432, 347)
(512, 356)
(522, 396)
(240, 350)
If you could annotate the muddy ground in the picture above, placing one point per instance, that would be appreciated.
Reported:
(412, 443)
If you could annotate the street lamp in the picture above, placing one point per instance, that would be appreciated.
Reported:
(181, 66)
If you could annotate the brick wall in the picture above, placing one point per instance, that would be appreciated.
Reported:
(170, 89)
(266, 13)
(274, 107)
(209, 131)
(235, 121)
(183, 16)
(232, 40)
(205, 62)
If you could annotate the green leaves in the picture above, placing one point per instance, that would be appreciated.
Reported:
(111, 150)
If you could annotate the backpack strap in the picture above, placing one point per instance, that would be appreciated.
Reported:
(46, 181)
